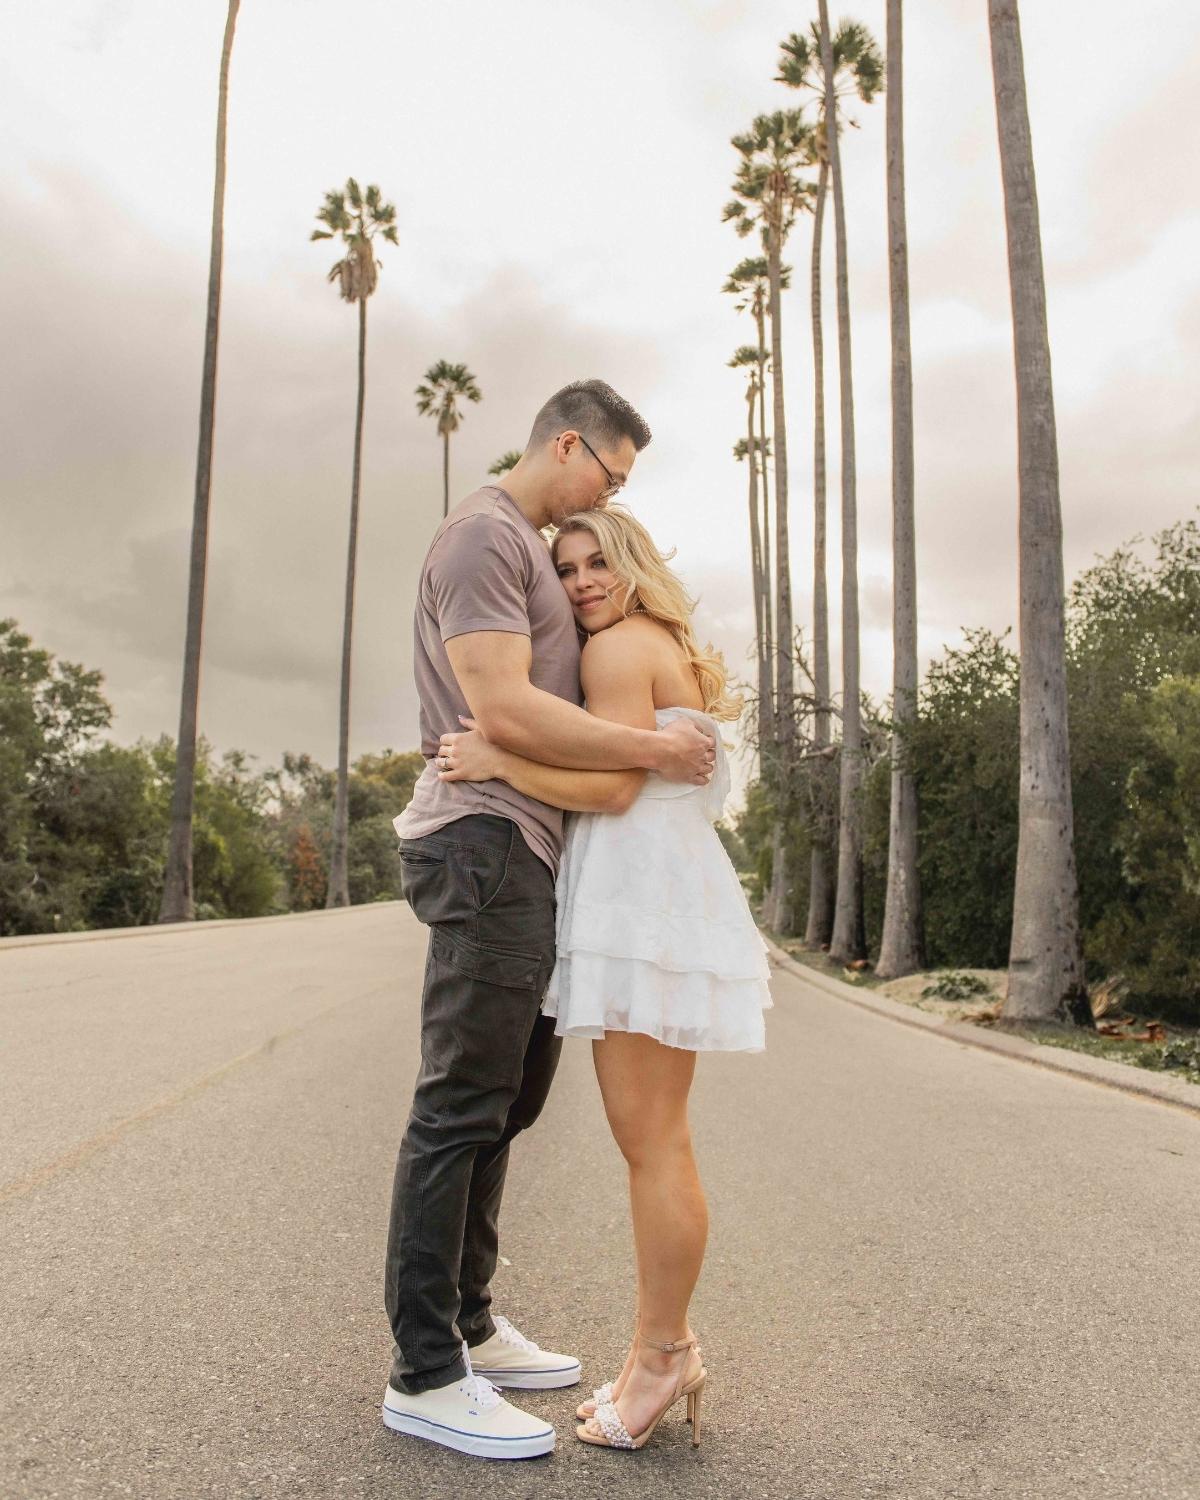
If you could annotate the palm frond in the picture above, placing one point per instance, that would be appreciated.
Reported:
(357, 273)
(799, 61)
(753, 268)
(741, 448)
(768, 184)
(506, 461)
(438, 394)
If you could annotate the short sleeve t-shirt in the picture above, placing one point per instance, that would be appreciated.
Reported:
(487, 568)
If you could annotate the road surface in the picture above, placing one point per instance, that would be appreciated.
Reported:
(933, 1272)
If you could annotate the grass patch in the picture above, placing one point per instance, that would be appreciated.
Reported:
(1178, 1054)
(865, 979)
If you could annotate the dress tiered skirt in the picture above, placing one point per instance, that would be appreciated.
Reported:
(654, 932)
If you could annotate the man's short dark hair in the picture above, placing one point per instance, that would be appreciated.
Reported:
(593, 408)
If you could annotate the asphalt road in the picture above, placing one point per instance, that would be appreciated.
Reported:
(933, 1272)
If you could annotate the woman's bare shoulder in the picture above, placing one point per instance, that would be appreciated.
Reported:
(637, 632)
(634, 644)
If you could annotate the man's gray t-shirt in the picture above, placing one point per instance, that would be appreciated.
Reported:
(487, 568)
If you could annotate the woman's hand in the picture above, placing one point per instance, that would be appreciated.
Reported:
(468, 756)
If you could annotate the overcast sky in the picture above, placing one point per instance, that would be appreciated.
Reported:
(559, 172)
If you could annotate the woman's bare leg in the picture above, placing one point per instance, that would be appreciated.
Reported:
(645, 1090)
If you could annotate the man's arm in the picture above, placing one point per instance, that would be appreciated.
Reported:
(618, 680)
(492, 668)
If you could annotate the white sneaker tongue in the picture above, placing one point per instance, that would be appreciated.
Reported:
(482, 1391)
(511, 1336)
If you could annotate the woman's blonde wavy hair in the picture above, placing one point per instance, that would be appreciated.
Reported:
(653, 589)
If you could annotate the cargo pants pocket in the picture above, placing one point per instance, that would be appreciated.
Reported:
(478, 1009)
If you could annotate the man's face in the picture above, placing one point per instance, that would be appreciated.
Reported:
(587, 474)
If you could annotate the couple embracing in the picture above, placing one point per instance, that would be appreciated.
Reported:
(558, 678)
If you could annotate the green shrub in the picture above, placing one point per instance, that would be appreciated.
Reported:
(955, 986)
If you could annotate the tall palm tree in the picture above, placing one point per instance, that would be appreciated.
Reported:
(356, 275)
(749, 282)
(751, 449)
(770, 190)
(848, 938)
(857, 72)
(1045, 962)
(438, 396)
(177, 904)
(506, 461)
(901, 949)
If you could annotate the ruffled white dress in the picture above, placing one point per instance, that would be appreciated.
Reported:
(654, 932)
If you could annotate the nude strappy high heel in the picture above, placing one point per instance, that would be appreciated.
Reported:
(606, 1393)
(613, 1432)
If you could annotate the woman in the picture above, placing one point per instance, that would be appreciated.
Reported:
(658, 957)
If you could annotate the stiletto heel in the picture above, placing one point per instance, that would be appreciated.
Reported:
(694, 1408)
(613, 1432)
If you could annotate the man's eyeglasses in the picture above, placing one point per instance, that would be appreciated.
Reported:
(613, 484)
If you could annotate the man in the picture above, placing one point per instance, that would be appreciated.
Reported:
(495, 639)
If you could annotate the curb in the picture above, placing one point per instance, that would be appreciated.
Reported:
(1125, 1077)
(155, 929)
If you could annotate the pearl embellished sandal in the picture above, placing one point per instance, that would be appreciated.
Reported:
(613, 1432)
(601, 1396)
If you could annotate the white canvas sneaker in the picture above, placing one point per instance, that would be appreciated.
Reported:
(509, 1359)
(470, 1416)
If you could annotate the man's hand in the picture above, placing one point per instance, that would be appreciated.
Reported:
(686, 753)
(468, 756)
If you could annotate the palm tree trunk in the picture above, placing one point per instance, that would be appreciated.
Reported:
(822, 859)
(901, 949)
(338, 893)
(445, 474)
(177, 900)
(767, 724)
(848, 940)
(780, 910)
(1045, 963)
(756, 564)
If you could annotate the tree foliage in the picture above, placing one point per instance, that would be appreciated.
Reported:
(84, 822)
(1133, 678)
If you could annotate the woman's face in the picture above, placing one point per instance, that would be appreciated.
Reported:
(595, 595)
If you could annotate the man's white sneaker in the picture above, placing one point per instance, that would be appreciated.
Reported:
(509, 1359)
(470, 1416)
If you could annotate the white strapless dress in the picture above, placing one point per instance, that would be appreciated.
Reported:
(654, 932)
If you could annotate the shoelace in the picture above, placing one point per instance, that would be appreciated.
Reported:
(510, 1335)
(478, 1389)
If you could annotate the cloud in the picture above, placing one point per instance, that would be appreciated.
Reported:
(101, 424)
(560, 223)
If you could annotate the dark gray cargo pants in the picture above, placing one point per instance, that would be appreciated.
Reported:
(487, 1060)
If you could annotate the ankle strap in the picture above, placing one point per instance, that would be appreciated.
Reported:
(668, 1348)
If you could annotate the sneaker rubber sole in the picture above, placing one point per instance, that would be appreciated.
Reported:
(533, 1380)
(474, 1443)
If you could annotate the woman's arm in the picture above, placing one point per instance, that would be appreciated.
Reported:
(617, 673)
(574, 791)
